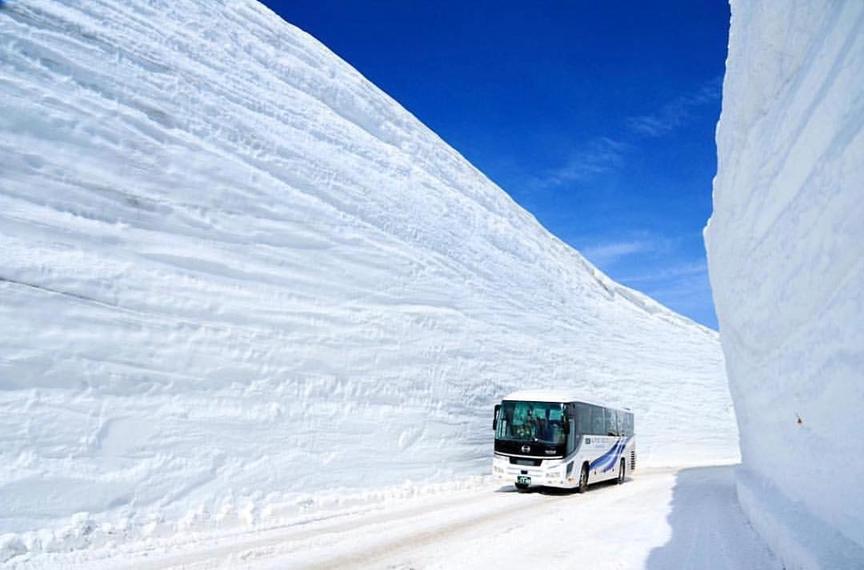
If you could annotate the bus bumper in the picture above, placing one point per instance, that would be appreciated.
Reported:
(551, 475)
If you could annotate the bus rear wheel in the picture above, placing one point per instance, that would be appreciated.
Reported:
(583, 480)
(621, 472)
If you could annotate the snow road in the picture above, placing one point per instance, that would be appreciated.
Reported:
(658, 519)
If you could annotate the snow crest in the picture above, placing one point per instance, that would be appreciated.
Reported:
(234, 272)
(786, 259)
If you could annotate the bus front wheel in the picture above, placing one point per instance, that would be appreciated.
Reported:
(621, 472)
(583, 480)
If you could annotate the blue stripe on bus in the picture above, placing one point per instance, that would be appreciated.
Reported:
(605, 457)
(614, 463)
(609, 460)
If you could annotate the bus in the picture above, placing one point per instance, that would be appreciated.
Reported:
(555, 439)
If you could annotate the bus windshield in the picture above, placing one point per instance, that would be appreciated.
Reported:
(531, 421)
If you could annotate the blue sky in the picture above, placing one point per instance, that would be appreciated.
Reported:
(597, 117)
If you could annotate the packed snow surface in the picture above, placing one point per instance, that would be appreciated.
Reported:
(786, 258)
(660, 520)
(236, 277)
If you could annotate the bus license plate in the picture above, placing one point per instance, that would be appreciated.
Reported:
(523, 480)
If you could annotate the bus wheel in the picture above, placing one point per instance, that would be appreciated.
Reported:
(621, 469)
(583, 480)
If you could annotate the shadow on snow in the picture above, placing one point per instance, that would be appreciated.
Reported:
(709, 530)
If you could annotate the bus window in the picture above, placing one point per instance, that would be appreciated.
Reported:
(598, 422)
(552, 429)
(627, 417)
(583, 418)
(611, 422)
(531, 421)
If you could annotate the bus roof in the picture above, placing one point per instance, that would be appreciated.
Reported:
(555, 396)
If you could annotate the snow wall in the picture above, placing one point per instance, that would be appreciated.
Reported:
(236, 275)
(786, 259)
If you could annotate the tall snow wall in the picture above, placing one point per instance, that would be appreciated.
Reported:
(235, 274)
(786, 259)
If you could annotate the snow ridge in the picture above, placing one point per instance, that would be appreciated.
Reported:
(234, 272)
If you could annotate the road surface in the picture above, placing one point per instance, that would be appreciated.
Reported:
(662, 519)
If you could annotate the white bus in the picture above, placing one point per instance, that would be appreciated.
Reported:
(555, 439)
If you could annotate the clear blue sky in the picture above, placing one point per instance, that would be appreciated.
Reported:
(597, 117)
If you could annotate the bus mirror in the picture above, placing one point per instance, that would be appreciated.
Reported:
(495, 417)
(566, 425)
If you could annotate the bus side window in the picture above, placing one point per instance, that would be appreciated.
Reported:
(611, 422)
(598, 422)
(583, 418)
